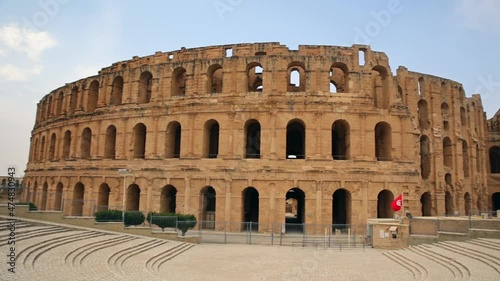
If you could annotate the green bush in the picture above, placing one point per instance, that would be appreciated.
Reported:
(163, 220)
(185, 222)
(134, 218)
(32, 206)
(108, 215)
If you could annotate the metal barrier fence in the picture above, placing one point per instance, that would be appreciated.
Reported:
(487, 220)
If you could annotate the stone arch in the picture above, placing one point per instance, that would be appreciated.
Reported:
(42, 149)
(34, 193)
(168, 199)
(173, 140)
(60, 103)
(208, 207)
(339, 78)
(295, 201)
(494, 154)
(341, 141)
(255, 78)
(211, 139)
(117, 91)
(425, 157)
(495, 201)
(140, 132)
(145, 87)
(380, 86)
(463, 116)
(252, 139)
(250, 205)
(86, 144)
(179, 78)
(426, 204)
(465, 158)
(133, 198)
(36, 149)
(384, 199)
(58, 197)
(383, 141)
(447, 153)
(77, 200)
(448, 204)
(73, 101)
(48, 104)
(215, 79)
(110, 143)
(467, 203)
(423, 115)
(103, 197)
(45, 192)
(67, 145)
(420, 87)
(296, 77)
(52, 147)
(296, 139)
(341, 208)
(93, 96)
(448, 179)
(445, 115)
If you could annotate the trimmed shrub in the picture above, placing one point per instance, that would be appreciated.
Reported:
(185, 222)
(108, 215)
(134, 218)
(32, 206)
(162, 220)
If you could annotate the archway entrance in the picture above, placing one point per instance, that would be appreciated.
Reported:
(426, 203)
(207, 203)
(168, 199)
(495, 201)
(341, 208)
(448, 204)
(103, 197)
(250, 197)
(384, 199)
(45, 191)
(467, 202)
(133, 196)
(78, 193)
(294, 212)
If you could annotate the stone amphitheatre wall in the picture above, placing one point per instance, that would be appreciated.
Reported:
(237, 132)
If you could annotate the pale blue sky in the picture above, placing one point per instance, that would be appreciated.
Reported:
(47, 43)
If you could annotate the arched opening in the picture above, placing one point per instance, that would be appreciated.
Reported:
(110, 144)
(478, 159)
(252, 139)
(383, 142)
(34, 194)
(426, 204)
(60, 103)
(67, 145)
(93, 96)
(341, 208)
(339, 79)
(179, 78)
(45, 191)
(384, 209)
(341, 143)
(52, 147)
(42, 149)
(425, 157)
(36, 149)
(215, 79)
(168, 200)
(467, 203)
(207, 204)
(463, 117)
(117, 91)
(495, 159)
(139, 141)
(294, 209)
(420, 87)
(495, 201)
(380, 87)
(103, 197)
(465, 158)
(211, 139)
(447, 179)
(295, 140)
(296, 77)
(145, 87)
(133, 198)
(401, 95)
(77, 202)
(58, 197)
(255, 77)
(423, 115)
(447, 153)
(445, 114)
(250, 198)
(173, 140)
(86, 143)
(49, 108)
(448, 204)
(42, 109)
(73, 100)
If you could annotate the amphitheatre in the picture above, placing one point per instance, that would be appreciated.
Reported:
(260, 136)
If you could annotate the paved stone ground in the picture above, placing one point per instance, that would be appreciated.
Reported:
(57, 252)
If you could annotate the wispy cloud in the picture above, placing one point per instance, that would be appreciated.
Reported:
(481, 15)
(25, 41)
(14, 73)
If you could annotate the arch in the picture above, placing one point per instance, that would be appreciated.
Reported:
(448, 204)
(48, 104)
(45, 191)
(208, 207)
(52, 147)
(179, 78)
(173, 140)
(423, 115)
(59, 197)
(110, 143)
(463, 116)
(420, 87)
(117, 91)
(77, 200)
(384, 199)
(426, 204)
(133, 198)
(43, 109)
(60, 102)
(168, 199)
(34, 194)
(215, 79)
(478, 159)
(425, 157)
(296, 139)
(447, 153)
(295, 200)
(495, 201)
(255, 78)
(211, 139)
(296, 77)
(73, 101)
(93, 96)
(447, 179)
(401, 95)
(341, 208)
(380, 86)
(67, 145)
(85, 147)
(383, 141)
(467, 203)
(252, 139)
(341, 142)
(42, 149)
(103, 197)
(250, 204)
(445, 114)
(339, 78)
(494, 154)
(465, 158)
(140, 132)
(36, 150)
(145, 87)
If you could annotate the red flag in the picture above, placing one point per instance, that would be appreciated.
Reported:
(397, 203)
